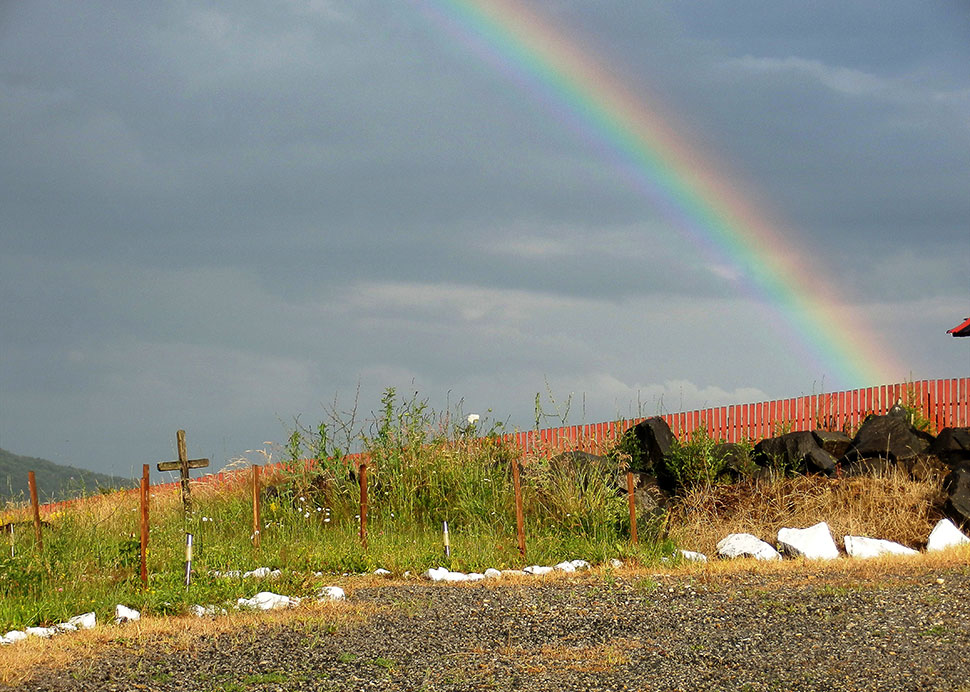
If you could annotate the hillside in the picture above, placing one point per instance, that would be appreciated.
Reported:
(54, 481)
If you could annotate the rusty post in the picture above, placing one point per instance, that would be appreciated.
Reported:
(363, 505)
(256, 508)
(144, 524)
(519, 517)
(32, 482)
(633, 506)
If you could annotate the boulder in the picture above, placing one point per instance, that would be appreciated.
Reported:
(798, 451)
(889, 437)
(952, 446)
(835, 442)
(813, 543)
(746, 545)
(647, 443)
(945, 535)
(877, 466)
(956, 486)
(860, 546)
(85, 621)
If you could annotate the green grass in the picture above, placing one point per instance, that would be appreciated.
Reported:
(421, 472)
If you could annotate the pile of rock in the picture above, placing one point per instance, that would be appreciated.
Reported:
(881, 443)
(816, 543)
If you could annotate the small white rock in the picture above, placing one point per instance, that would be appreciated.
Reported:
(65, 627)
(616, 564)
(267, 600)
(692, 556)
(813, 543)
(258, 573)
(42, 632)
(125, 614)
(436, 574)
(579, 565)
(492, 573)
(15, 636)
(475, 576)
(863, 547)
(746, 545)
(945, 535)
(85, 621)
(537, 570)
(331, 593)
(565, 567)
(455, 576)
(513, 573)
(381, 572)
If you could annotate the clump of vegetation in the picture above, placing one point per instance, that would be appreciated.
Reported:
(424, 468)
(700, 460)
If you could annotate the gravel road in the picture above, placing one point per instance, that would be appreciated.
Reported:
(689, 631)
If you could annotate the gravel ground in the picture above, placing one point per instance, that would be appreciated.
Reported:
(747, 631)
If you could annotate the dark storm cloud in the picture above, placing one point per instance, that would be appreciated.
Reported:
(227, 214)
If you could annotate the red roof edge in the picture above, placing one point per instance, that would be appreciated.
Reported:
(961, 329)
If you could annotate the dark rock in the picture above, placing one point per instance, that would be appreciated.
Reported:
(875, 466)
(796, 451)
(835, 442)
(927, 469)
(647, 443)
(889, 437)
(820, 461)
(581, 466)
(737, 459)
(952, 445)
(957, 489)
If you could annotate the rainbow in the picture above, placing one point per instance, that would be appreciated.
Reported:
(680, 180)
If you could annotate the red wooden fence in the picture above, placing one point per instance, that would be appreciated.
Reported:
(946, 403)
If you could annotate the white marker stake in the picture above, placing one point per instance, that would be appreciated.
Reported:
(447, 545)
(188, 559)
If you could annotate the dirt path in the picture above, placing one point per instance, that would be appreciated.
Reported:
(745, 631)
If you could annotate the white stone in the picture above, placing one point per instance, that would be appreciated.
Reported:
(258, 573)
(813, 543)
(331, 593)
(42, 632)
(267, 600)
(537, 570)
(579, 565)
(125, 614)
(475, 576)
(65, 627)
(863, 547)
(15, 636)
(746, 545)
(492, 573)
(381, 572)
(85, 621)
(565, 567)
(945, 535)
(455, 576)
(692, 556)
(436, 574)
(616, 564)
(513, 573)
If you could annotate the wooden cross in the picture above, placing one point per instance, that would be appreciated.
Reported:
(182, 466)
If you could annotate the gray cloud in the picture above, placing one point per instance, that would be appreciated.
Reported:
(217, 218)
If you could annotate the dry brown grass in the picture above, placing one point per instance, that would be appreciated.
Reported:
(890, 505)
(23, 661)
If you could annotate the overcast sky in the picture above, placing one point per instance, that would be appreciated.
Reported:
(221, 216)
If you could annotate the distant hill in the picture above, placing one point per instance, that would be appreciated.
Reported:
(54, 481)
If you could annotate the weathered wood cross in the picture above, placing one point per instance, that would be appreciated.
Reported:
(182, 466)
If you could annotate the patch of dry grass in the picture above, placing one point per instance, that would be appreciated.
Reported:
(24, 661)
(889, 505)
